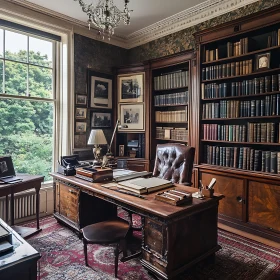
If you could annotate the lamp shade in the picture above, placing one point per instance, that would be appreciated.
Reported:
(97, 137)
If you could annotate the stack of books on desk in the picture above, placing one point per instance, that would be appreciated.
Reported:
(145, 185)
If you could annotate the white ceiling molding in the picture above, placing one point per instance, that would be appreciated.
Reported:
(187, 18)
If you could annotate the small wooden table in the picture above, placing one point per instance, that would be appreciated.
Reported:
(21, 263)
(28, 182)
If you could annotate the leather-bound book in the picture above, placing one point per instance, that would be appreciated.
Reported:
(263, 161)
(257, 160)
(261, 90)
(273, 162)
(278, 162)
(251, 165)
(240, 160)
(267, 161)
(272, 133)
(267, 84)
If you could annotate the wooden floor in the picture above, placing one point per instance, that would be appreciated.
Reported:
(250, 236)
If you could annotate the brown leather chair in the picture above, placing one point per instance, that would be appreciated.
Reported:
(107, 232)
(174, 162)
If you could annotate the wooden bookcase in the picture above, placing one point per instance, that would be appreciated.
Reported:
(239, 137)
(171, 89)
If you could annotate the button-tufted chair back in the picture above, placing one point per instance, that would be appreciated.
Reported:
(174, 162)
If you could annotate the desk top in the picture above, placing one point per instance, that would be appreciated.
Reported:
(26, 178)
(149, 204)
(22, 250)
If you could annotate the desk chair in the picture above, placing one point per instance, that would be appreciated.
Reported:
(173, 162)
(107, 232)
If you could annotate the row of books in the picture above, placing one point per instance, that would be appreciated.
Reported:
(268, 106)
(211, 55)
(179, 134)
(243, 158)
(177, 98)
(172, 116)
(237, 48)
(230, 69)
(246, 87)
(251, 132)
(171, 80)
(273, 39)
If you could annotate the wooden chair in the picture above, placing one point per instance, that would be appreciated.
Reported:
(107, 232)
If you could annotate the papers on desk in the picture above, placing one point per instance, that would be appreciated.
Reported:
(123, 174)
(145, 185)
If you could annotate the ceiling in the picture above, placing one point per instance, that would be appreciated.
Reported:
(145, 12)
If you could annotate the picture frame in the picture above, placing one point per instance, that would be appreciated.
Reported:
(131, 117)
(262, 61)
(131, 88)
(100, 89)
(81, 99)
(121, 150)
(101, 119)
(81, 127)
(81, 113)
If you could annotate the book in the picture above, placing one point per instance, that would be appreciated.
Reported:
(144, 185)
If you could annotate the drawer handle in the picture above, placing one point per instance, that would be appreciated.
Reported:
(239, 199)
(71, 191)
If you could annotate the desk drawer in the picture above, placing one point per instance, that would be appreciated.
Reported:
(69, 202)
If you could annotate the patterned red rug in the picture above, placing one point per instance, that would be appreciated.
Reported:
(63, 258)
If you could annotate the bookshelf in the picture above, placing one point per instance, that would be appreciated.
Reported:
(171, 88)
(239, 119)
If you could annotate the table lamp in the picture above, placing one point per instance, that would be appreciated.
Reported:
(97, 138)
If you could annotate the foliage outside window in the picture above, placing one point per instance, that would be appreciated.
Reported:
(27, 101)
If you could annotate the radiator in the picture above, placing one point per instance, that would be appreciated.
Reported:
(25, 205)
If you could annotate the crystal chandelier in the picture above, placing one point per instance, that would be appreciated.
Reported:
(106, 16)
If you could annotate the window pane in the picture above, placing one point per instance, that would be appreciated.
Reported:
(1, 42)
(26, 133)
(40, 52)
(40, 82)
(15, 46)
(15, 78)
(1, 76)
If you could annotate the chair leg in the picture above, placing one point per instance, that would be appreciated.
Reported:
(116, 259)
(85, 251)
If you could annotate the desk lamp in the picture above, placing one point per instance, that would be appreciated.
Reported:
(97, 138)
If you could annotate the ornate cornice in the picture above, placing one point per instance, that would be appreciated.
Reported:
(187, 18)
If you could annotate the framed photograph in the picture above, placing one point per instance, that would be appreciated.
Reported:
(101, 119)
(131, 88)
(121, 150)
(100, 93)
(263, 61)
(81, 126)
(131, 117)
(81, 113)
(81, 99)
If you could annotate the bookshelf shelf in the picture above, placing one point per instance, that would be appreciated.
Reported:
(172, 140)
(173, 122)
(232, 58)
(242, 118)
(242, 143)
(173, 105)
(164, 91)
(240, 96)
(256, 73)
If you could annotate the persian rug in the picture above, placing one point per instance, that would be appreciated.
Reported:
(63, 258)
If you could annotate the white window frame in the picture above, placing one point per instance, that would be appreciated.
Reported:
(63, 91)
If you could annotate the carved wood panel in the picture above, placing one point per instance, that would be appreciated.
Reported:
(264, 205)
(232, 189)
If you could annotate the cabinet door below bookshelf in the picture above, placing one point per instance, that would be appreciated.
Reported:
(233, 203)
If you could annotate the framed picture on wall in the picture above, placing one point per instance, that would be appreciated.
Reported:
(100, 92)
(81, 99)
(99, 119)
(131, 117)
(131, 88)
(81, 113)
(81, 126)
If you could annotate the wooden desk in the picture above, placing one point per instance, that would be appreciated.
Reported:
(20, 263)
(28, 182)
(173, 237)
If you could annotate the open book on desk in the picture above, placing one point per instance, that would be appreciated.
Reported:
(145, 185)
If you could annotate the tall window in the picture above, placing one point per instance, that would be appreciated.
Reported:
(27, 100)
